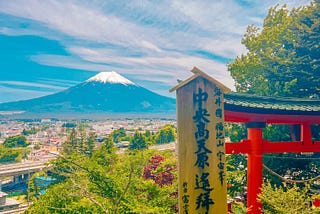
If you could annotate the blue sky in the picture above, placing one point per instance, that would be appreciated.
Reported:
(49, 45)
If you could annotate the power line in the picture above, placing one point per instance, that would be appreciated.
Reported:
(287, 179)
(292, 158)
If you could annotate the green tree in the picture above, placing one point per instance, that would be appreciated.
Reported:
(29, 131)
(90, 144)
(79, 142)
(82, 139)
(118, 135)
(235, 131)
(105, 155)
(149, 137)
(69, 125)
(45, 127)
(236, 176)
(15, 141)
(137, 142)
(8, 155)
(72, 143)
(90, 187)
(283, 57)
(37, 146)
(166, 134)
(109, 145)
(289, 199)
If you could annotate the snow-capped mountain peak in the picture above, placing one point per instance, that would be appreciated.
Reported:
(110, 77)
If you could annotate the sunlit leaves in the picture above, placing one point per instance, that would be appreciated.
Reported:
(283, 56)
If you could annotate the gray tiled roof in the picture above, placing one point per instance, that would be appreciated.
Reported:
(234, 101)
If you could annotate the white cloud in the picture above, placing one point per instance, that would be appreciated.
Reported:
(76, 20)
(87, 22)
(58, 82)
(213, 16)
(9, 94)
(170, 65)
(16, 32)
(153, 41)
(30, 84)
(69, 62)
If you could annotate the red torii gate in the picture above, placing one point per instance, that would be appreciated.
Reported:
(256, 112)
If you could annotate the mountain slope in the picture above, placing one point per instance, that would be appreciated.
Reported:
(105, 92)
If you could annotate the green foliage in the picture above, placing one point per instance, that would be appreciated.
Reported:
(58, 199)
(236, 131)
(15, 141)
(105, 155)
(45, 127)
(277, 133)
(236, 176)
(294, 166)
(8, 155)
(282, 58)
(71, 144)
(79, 142)
(109, 145)
(315, 130)
(285, 200)
(91, 186)
(166, 134)
(149, 137)
(118, 135)
(37, 146)
(30, 131)
(137, 142)
(90, 144)
(239, 208)
(69, 125)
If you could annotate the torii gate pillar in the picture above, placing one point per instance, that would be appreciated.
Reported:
(254, 175)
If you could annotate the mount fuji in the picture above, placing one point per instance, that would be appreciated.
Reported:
(104, 93)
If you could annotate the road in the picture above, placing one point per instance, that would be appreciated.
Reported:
(21, 168)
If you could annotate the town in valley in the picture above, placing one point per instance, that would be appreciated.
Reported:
(44, 141)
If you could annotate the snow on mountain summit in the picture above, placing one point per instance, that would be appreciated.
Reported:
(110, 77)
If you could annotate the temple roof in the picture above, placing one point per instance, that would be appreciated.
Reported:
(270, 105)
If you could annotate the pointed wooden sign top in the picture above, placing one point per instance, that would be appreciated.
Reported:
(202, 181)
(198, 73)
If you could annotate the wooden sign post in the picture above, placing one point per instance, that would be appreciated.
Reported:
(201, 146)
